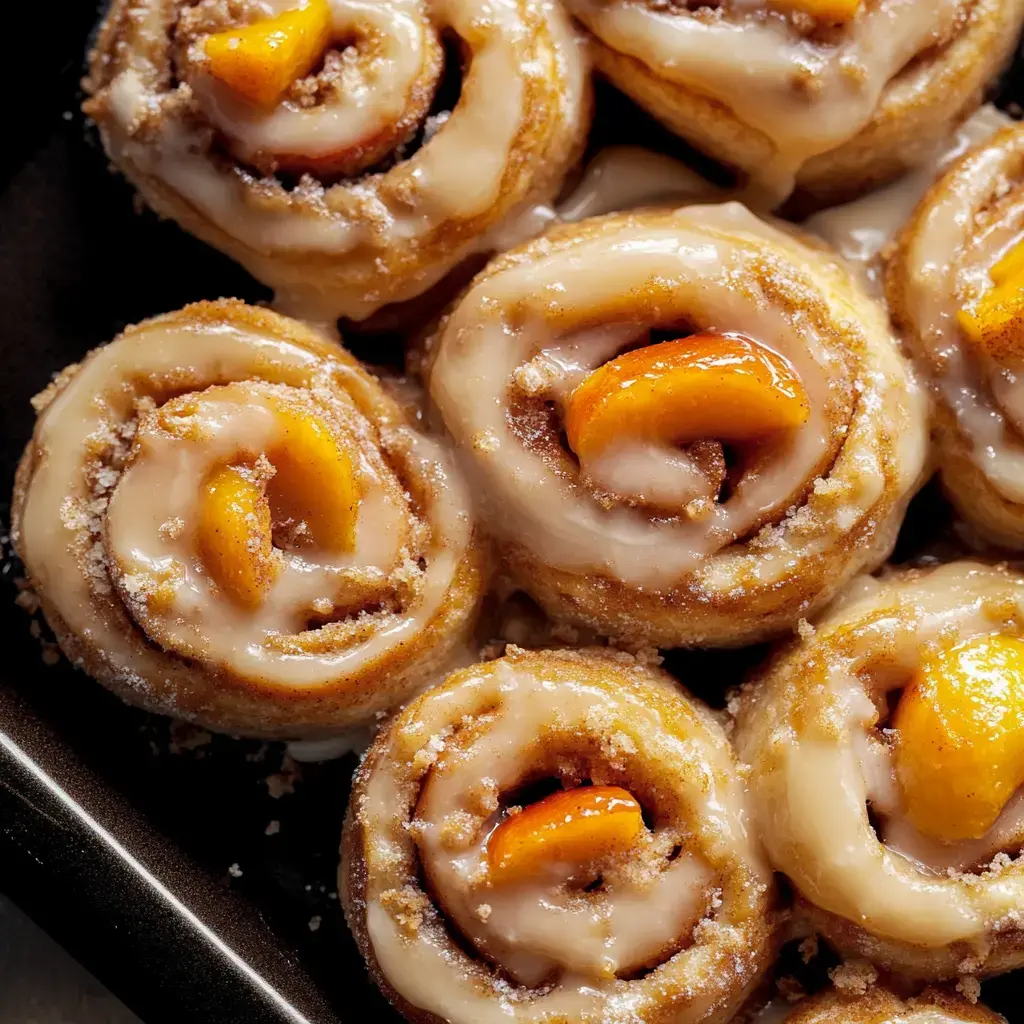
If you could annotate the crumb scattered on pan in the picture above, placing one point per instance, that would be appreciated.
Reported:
(282, 783)
(235, 871)
(272, 828)
(314, 923)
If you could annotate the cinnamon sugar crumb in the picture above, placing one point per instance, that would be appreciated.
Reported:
(969, 987)
(282, 783)
(407, 907)
(854, 977)
(172, 528)
(808, 948)
(458, 830)
(805, 630)
(483, 911)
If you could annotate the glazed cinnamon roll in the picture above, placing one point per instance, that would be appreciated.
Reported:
(227, 520)
(885, 748)
(879, 1006)
(955, 283)
(634, 883)
(686, 427)
(302, 137)
(832, 96)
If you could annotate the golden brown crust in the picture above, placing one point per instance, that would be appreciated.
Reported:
(379, 857)
(996, 517)
(382, 267)
(804, 282)
(918, 109)
(220, 697)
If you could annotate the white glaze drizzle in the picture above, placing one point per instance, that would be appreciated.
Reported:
(547, 513)
(456, 176)
(814, 807)
(530, 925)
(806, 97)
(65, 554)
(946, 267)
(859, 230)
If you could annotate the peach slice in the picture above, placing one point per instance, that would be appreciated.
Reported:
(708, 386)
(260, 61)
(1010, 267)
(995, 323)
(823, 10)
(575, 826)
(314, 482)
(960, 737)
(234, 535)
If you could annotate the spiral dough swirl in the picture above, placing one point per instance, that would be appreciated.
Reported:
(345, 194)
(679, 927)
(674, 546)
(168, 511)
(814, 727)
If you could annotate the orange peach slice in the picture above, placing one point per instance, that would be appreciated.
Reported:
(234, 535)
(260, 61)
(1010, 266)
(314, 482)
(823, 10)
(996, 321)
(575, 826)
(719, 386)
(960, 737)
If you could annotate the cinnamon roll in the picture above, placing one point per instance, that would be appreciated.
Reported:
(227, 520)
(309, 141)
(709, 489)
(879, 1006)
(633, 884)
(955, 283)
(830, 96)
(885, 749)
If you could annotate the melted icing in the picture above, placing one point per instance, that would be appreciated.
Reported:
(859, 230)
(458, 175)
(538, 931)
(806, 97)
(897, 889)
(65, 538)
(547, 512)
(947, 264)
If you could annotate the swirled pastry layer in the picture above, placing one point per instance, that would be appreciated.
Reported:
(834, 96)
(633, 891)
(312, 160)
(939, 273)
(882, 746)
(765, 457)
(227, 520)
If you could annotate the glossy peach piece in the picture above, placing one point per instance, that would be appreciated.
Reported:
(314, 482)
(259, 62)
(708, 386)
(960, 737)
(575, 826)
(234, 535)
(823, 10)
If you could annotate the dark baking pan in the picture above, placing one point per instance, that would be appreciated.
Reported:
(194, 875)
